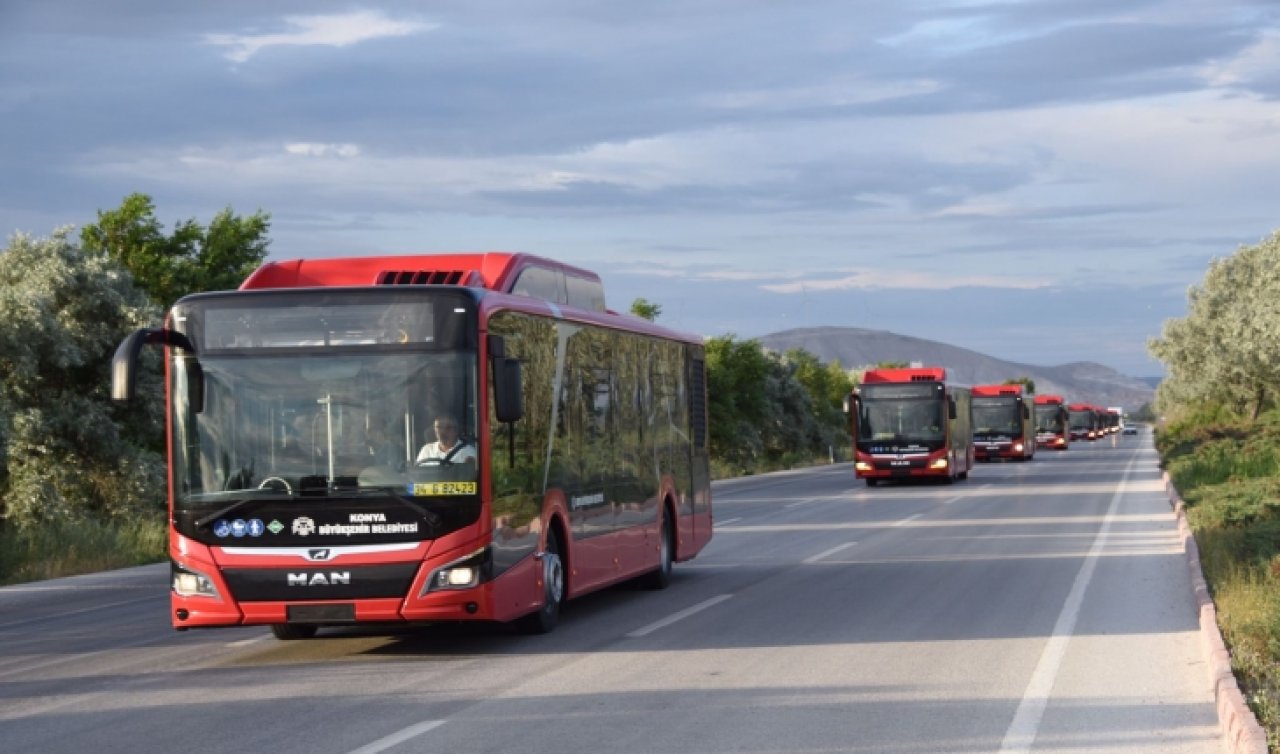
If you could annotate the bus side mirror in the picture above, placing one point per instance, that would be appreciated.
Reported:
(508, 390)
(951, 407)
(124, 364)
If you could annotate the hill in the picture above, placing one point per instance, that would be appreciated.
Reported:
(856, 347)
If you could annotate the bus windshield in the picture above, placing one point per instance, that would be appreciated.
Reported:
(1082, 419)
(1048, 419)
(330, 397)
(996, 416)
(901, 418)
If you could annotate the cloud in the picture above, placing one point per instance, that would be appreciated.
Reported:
(339, 30)
(309, 149)
(905, 279)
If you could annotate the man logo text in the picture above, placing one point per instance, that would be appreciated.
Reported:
(320, 579)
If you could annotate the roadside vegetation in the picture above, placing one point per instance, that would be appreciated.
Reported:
(82, 479)
(1220, 443)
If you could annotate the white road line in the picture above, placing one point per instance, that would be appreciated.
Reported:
(667, 621)
(382, 744)
(1026, 721)
(246, 642)
(726, 522)
(806, 501)
(955, 499)
(908, 519)
(815, 558)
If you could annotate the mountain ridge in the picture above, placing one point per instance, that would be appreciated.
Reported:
(856, 347)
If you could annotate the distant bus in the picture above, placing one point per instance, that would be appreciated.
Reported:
(1084, 421)
(1004, 426)
(911, 424)
(1052, 422)
(306, 488)
(1115, 419)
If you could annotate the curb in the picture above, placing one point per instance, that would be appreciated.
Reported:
(1240, 728)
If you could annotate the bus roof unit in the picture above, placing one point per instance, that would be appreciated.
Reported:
(918, 374)
(991, 390)
(505, 272)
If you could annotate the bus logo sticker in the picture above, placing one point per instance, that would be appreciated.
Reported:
(320, 554)
(320, 579)
(221, 529)
(239, 528)
(275, 527)
(255, 527)
(302, 526)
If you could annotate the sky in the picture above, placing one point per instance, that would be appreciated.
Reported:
(1037, 181)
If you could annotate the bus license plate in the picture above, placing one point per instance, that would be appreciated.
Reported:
(422, 489)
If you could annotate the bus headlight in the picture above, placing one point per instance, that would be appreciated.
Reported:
(463, 573)
(188, 582)
(1017, 447)
(862, 466)
(940, 463)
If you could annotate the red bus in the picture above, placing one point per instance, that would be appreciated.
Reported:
(1003, 424)
(1084, 421)
(305, 489)
(911, 424)
(1052, 422)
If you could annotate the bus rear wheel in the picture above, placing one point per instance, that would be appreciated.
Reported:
(293, 631)
(545, 619)
(660, 577)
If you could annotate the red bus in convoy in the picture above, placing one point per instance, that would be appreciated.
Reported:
(1052, 422)
(301, 409)
(910, 424)
(1084, 422)
(1003, 424)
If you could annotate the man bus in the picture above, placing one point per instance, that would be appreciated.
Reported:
(1084, 421)
(1052, 422)
(302, 492)
(1003, 424)
(910, 424)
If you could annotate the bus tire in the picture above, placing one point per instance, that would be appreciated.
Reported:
(544, 620)
(293, 631)
(872, 482)
(660, 577)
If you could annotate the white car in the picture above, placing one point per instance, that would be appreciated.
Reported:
(1131, 429)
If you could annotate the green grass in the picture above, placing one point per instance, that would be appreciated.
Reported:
(51, 551)
(1229, 475)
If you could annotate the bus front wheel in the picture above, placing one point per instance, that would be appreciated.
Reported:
(660, 577)
(546, 617)
(293, 631)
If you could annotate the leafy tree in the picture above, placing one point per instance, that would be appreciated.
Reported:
(1028, 384)
(1226, 351)
(69, 452)
(646, 309)
(192, 259)
(736, 398)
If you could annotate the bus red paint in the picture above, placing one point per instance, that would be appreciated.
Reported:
(300, 491)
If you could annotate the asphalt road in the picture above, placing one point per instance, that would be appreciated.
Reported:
(1042, 607)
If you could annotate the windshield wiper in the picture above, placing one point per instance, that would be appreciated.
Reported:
(232, 508)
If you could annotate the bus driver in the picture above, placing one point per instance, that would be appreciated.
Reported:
(448, 447)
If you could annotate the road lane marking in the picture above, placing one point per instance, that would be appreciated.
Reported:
(68, 613)
(806, 501)
(1026, 721)
(815, 558)
(955, 499)
(247, 642)
(382, 744)
(907, 520)
(728, 521)
(667, 621)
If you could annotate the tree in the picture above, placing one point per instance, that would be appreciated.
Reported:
(646, 309)
(736, 398)
(192, 259)
(1025, 381)
(1226, 351)
(69, 452)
